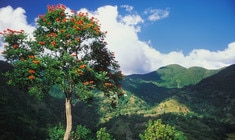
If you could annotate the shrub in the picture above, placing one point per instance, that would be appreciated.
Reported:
(81, 133)
(157, 131)
(57, 132)
(103, 135)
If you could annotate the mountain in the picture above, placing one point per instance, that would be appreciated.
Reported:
(218, 91)
(197, 101)
(173, 76)
(158, 85)
(201, 104)
(214, 97)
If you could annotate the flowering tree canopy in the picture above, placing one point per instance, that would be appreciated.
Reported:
(68, 50)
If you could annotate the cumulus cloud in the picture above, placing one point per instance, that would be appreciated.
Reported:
(14, 19)
(131, 20)
(134, 56)
(197, 57)
(122, 37)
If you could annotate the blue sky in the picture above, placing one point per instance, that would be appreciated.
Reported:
(148, 34)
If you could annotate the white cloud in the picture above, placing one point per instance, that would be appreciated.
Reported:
(134, 56)
(198, 57)
(122, 38)
(156, 14)
(14, 19)
(131, 20)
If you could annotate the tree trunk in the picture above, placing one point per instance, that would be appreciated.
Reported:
(68, 118)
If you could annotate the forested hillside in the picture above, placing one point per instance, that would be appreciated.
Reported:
(197, 101)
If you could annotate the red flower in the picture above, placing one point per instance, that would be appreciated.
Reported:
(57, 19)
(36, 61)
(76, 27)
(31, 77)
(31, 71)
(41, 43)
(82, 66)
(53, 43)
(61, 30)
(31, 56)
(85, 83)
(77, 39)
(64, 20)
(63, 6)
(15, 46)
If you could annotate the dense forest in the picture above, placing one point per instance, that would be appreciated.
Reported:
(198, 102)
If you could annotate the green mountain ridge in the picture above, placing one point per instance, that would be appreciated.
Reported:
(173, 76)
(197, 101)
(202, 107)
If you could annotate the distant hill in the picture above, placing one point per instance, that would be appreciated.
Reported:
(158, 85)
(173, 76)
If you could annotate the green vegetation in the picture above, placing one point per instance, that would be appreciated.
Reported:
(201, 111)
(102, 134)
(157, 131)
(56, 133)
(81, 133)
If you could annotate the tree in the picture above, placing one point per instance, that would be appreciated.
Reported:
(157, 131)
(68, 50)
